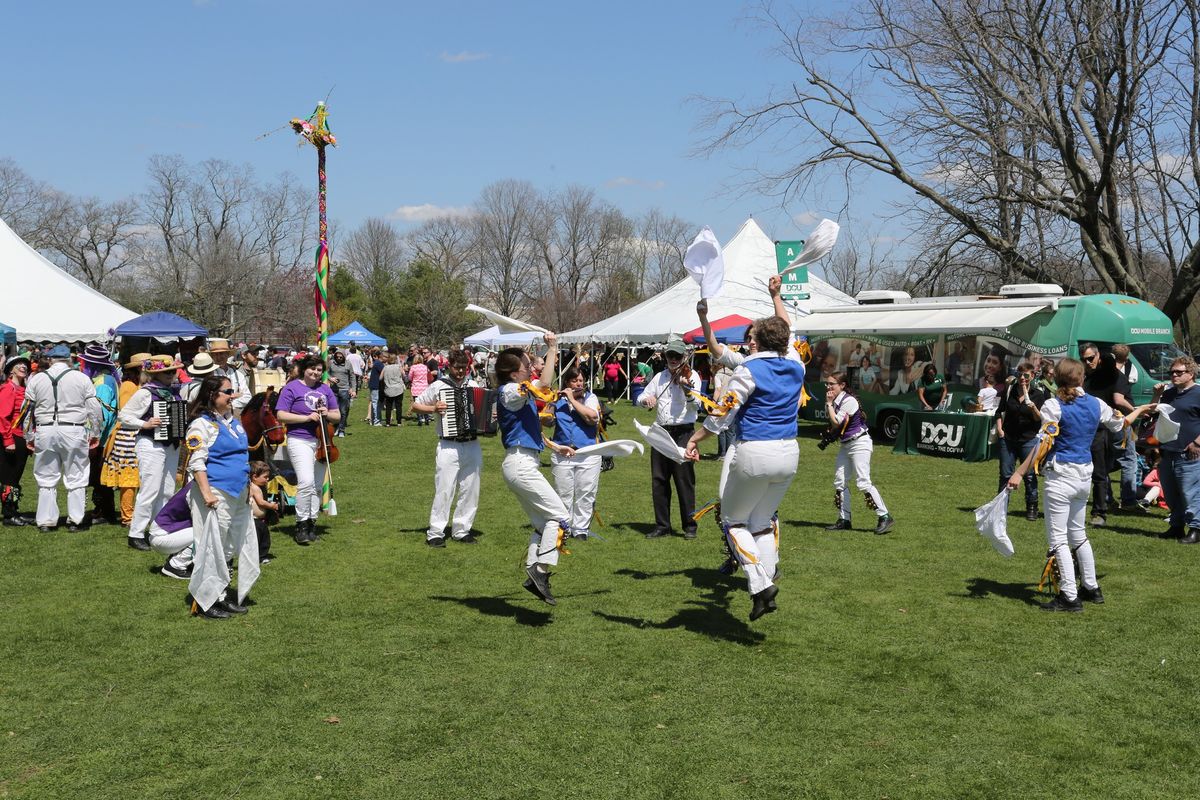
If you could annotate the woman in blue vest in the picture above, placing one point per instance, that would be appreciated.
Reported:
(1069, 422)
(521, 433)
(765, 391)
(576, 420)
(219, 466)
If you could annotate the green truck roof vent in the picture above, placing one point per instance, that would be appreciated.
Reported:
(872, 297)
(1031, 290)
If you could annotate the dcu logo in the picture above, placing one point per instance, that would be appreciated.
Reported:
(941, 434)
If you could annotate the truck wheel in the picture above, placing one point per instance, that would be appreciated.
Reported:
(889, 425)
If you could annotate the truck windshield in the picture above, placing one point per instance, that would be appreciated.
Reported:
(1156, 358)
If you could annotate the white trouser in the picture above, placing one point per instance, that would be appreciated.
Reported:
(759, 476)
(856, 455)
(457, 469)
(545, 510)
(310, 476)
(1065, 489)
(725, 463)
(221, 531)
(157, 464)
(61, 452)
(577, 478)
(176, 544)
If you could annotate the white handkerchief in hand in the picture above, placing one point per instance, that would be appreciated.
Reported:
(615, 447)
(991, 520)
(1166, 430)
(657, 437)
(705, 263)
(818, 244)
(506, 324)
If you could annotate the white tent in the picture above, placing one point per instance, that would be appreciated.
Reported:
(749, 262)
(46, 304)
(492, 337)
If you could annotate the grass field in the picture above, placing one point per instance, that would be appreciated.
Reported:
(911, 665)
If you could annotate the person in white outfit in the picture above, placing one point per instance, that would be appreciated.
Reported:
(67, 418)
(848, 426)
(458, 460)
(764, 402)
(220, 351)
(576, 424)
(521, 433)
(171, 534)
(158, 460)
(1069, 422)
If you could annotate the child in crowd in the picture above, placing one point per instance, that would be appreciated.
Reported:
(262, 509)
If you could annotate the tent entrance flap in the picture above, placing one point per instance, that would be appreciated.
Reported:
(915, 319)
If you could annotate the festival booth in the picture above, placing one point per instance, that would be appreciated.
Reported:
(732, 329)
(355, 333)
(160, 332)
(45, 304)
(494, 339)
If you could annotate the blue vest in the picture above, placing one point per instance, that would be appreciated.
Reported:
(1080, 418)
(228, 458)
(770, 412)
(520, 428)
(570, 427)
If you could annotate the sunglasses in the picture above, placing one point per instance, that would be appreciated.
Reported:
(226, 392)
(1179, 372)
(1090, 359)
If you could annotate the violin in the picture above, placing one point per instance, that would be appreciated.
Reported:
(327, 451)
(683, 374)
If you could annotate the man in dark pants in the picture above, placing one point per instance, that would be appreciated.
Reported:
(1018, 420)
(669, 393)
(1103, 381)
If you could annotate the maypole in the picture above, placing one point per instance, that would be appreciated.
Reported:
(315, 131)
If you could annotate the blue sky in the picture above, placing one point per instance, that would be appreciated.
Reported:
(430, 102)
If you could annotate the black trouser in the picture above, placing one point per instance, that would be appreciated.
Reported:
(390, 403)
(263, 531)
(1102, 462)
(103, 497)
(12, 467)
(663, 471)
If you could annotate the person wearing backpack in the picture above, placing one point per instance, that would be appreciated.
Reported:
(67, 421)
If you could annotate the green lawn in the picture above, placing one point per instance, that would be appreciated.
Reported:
(904, 666)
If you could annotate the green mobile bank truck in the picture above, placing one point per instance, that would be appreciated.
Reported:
(884, 343)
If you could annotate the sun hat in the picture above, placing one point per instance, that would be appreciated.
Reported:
(202, 364)
(13, 363)
(59, 351)
(138, 360)
(219, 346)
(160, 364)
(97, 354)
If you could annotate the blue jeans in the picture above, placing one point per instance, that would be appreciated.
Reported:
(374, 406)
(724, 439)
(1128, 459)
(1012, 453)
(1180, 479)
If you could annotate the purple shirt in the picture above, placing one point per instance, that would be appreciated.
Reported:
(298, 398)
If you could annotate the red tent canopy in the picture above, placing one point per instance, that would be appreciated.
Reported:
(732, 321)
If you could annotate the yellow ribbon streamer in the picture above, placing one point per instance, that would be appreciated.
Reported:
(545, 394)
(1049, 434)
(803, 350)
(715, 408)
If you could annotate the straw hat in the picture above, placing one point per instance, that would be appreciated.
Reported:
(201, 365)
(219, 346)
(137, 360)
(160, 364)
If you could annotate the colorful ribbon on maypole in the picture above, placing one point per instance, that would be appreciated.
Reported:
(315, 131)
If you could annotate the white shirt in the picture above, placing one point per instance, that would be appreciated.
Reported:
(130, 415)
(742, 385)
(77, 403)
(432, 394)
(849, 405)
(674, 405)
(356, 363)
(237, 381)
(989, 400)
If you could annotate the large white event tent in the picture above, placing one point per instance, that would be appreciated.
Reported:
(749, 261)
(44, 303)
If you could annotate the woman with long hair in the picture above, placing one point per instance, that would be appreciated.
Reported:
(762, 401)
(1069, 421)
(14, 454)
(848, 425)
(576, 420)
(219, 467)
(306, 404)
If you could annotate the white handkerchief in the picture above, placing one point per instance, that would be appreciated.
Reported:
(1166, 430)
(507, 324)
(615, 447)
(705, 263)
(991, 520)
(818, 244)
(661, 441)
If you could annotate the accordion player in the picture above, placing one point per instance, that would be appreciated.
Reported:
(470, 413)
(172, 420)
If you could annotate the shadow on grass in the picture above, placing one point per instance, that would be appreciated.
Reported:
(983, 588)
(808, 523)
(499, 607)
(709, 615)
(637, 527)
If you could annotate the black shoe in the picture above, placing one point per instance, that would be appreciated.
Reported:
(1031, 514)
(167, 571)
(300, 533)
(1061, 603)
(16, 521)
(53, 528)
(466, 538)
(1192, 537)
(137, 543)
(728, 566)
(1091, 595)
(1174, 532)
(885, 524)
(437, 541)
(231, 606)
(764, 602)
(689, 533)
(77, 527)
(214, 611)
(541, 585)
(658, 533)
(840, 525)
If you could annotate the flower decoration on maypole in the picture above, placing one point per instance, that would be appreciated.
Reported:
(315, 130)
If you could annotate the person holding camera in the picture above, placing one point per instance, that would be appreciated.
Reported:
(848, 425)
(1018, 420)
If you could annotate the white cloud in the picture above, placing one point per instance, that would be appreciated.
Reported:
(463, 57)
(428, 211)
(625, 180)
(806, 218)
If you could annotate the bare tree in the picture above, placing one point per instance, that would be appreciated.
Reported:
(667, 239)
(861, 261)
(1023, 127)
(93, 240)
(446, 243)
(374, 252)
(507, 260)
(25, 203)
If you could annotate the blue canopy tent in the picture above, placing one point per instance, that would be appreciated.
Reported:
(8, 335)
(733, 335)
(355, 333)
(161, 325)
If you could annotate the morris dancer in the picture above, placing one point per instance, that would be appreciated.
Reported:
(458, 463)
(1069, 423)
(521, 433)
(157, 460)
(765, 391)
(576, 424)
(848, 426)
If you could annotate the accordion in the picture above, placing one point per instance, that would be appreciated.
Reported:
(470, 412)
(172, 420)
